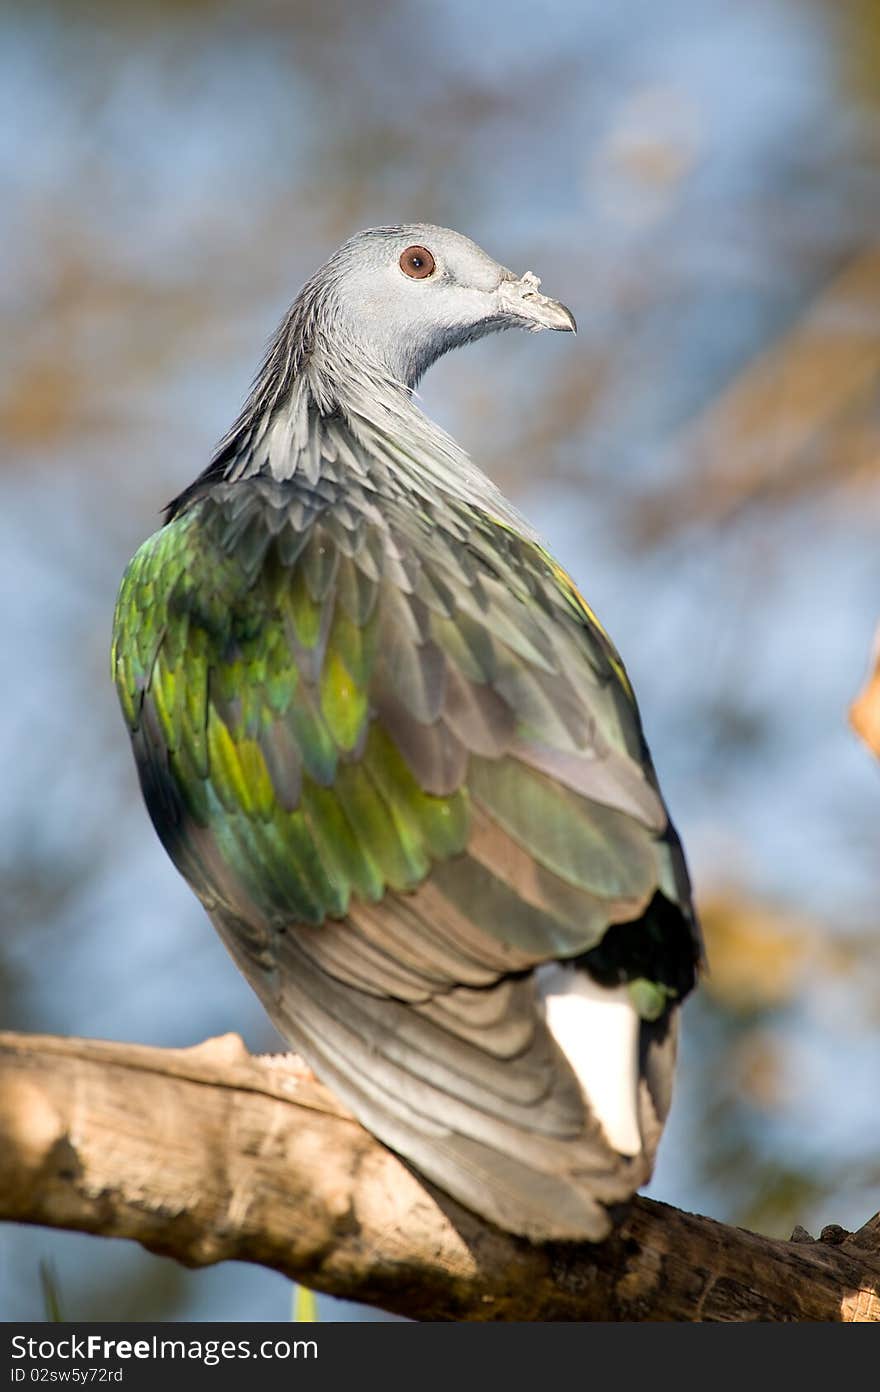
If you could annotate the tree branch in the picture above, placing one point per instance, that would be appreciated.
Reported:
(208, 1154)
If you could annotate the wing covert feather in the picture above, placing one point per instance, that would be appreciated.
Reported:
(363, 711)
(400, 763)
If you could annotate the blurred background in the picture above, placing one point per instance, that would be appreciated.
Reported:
(700, 181)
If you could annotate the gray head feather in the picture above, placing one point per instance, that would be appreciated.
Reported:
(356, 342)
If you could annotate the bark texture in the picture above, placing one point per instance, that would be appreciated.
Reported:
(209, 1154)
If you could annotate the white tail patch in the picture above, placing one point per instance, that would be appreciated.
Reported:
(597, 1028)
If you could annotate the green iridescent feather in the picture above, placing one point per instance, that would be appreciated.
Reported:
(399, 760)
(330, 718)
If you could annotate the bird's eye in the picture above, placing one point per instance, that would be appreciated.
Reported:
(417, 262)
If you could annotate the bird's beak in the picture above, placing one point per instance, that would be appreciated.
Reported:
(522, 299)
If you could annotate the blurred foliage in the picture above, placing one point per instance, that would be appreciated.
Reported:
(701, 182)
(52, 1307)
(305, 1305)
(864, 713)
(801, 417)
(758, 953)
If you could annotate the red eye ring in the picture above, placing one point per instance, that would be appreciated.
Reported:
(417, 263)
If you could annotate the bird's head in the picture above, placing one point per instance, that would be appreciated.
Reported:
(402, 296)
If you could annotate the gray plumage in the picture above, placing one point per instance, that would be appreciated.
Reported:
(399, 760)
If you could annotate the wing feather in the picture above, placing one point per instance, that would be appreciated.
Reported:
(399, 761)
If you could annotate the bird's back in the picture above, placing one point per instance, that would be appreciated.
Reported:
(399, 761)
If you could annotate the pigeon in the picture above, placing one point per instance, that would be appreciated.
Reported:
(398, 759)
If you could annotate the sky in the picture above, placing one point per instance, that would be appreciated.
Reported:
(698, 181)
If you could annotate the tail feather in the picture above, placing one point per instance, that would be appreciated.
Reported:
(482, 1101)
